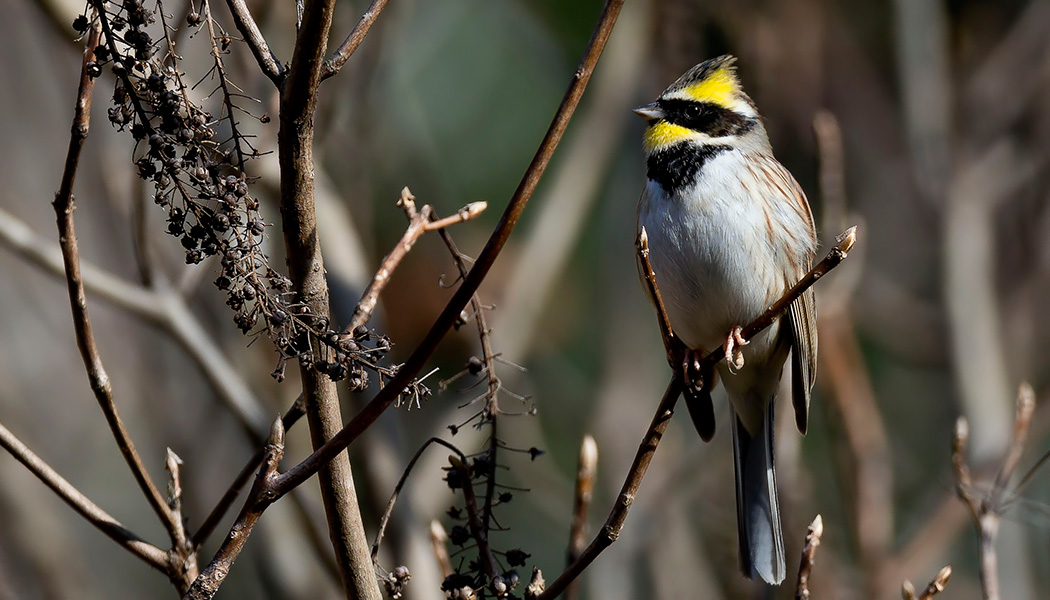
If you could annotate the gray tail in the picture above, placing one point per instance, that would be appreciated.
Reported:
(757, 509)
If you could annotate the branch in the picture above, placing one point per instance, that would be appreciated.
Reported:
(987, 509)
(586, 471)
(205, 586)
(809, 551)
(419, 222)
(936, 586)
(97, 376)
(295, 138)
(477, 526)
(160, 306)
(267, 60)
(352, 41)
(401, 484)
(296, 475)
(614, 523)
(113, 529)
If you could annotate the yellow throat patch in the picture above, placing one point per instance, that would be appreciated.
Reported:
(662, 134)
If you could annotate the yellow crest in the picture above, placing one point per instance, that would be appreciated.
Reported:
(719, 88)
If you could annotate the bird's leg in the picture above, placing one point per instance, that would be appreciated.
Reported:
(734, 349)
(691, 373)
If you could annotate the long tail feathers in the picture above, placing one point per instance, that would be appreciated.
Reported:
(758, 512)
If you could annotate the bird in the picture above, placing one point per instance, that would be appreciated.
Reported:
(729, 232)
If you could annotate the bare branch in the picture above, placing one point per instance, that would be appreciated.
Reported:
(352, 41)
(986, 509)
(438, 537)
(97, 376)
(586, 472)
(249, 29)
(477, 527)
(416, 228)
(295, 138)
(205, 586)
(936, 586)
(401, 484)
(113, 529)
(809, 551)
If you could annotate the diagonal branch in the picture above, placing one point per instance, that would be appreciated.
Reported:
(389, 394)
(159, 305)
(249, 29)
(99, 380)
(352, 41)
(113, 529)
(419, 223)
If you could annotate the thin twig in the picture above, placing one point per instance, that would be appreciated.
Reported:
(419, 222)
(438, 537)
(352, 41)
(99, 380)
(809, 551)
(291, 416)
(227, 98)
(586, 472)
(614, 523)
(113, 529)
(477, 528)
(401, 483)
(183, 557)
(464, 214)
(205, 586)
(936, 586)
(242, 18)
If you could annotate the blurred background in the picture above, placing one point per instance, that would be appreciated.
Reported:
(926, 123)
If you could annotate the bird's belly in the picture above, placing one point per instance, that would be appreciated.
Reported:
(715, 262)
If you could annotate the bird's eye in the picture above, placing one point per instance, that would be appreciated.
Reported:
(694, 111)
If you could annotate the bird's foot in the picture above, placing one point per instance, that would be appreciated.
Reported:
(733, 346)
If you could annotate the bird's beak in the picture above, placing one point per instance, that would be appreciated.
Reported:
(650, 112)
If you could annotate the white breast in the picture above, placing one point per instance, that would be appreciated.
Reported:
(720, 257)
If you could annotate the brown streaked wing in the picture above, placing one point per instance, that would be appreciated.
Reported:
(802, 317)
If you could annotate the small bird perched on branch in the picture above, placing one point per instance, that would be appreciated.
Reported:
(729, 232)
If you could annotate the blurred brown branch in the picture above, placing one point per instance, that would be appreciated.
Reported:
(936, 586)
(986, 508)
(586, 472)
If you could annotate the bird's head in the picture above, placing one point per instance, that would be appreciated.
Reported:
(706, 105)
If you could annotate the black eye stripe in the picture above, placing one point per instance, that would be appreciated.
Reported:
(705, 117)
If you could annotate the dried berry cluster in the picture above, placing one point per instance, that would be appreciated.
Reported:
(195, 163)
(470, 579)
